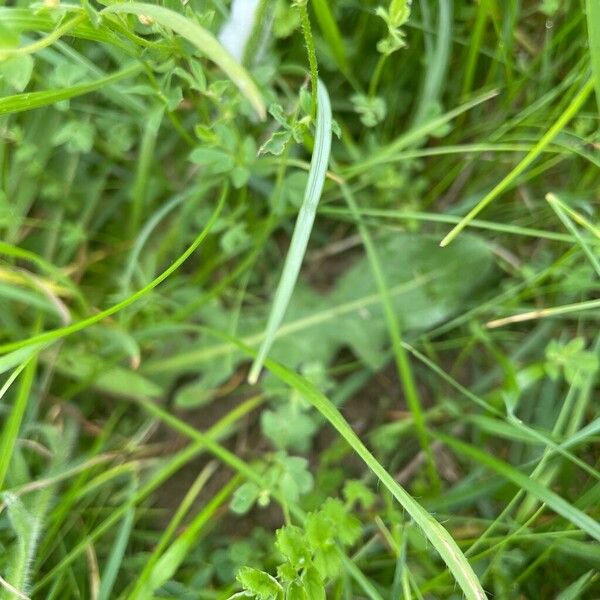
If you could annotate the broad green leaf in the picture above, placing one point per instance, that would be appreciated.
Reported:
(426, 288)
(201, 39)
(116, 380)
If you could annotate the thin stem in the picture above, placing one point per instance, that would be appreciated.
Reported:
(312, 56)
(377, 75)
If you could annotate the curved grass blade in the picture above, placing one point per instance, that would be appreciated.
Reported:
(61, 332)
(44, 42)
(201, 39)
(558, 504)
(593, 19)
(559, 208)
(529, 158)
(304, 223)
(435, 533)
(441, 540)
(12, 425)
(30, 100)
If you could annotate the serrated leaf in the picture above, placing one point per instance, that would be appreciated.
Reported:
(261, 584)
(287, 428)
(347, 527)
(356, 492)
(276, 143)
(427, 286)
(313, 584)
(291, 543)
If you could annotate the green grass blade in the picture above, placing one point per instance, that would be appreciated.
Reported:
(46, 41)
(30, 100)
(529, 158)
(201, 39)
(141, 585)
(593, 22)
(437, 66)
(331, 33)
(302, 229)
(559, 208)
(10, 431)
(115, 560)
(170, 561)
(403, 366)
(61, 332)
(533, 487)
(435, 533)
(203, 441)
(577, 588)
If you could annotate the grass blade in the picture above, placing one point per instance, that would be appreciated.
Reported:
(61, 332)
(435, 533)
(577, 588)
(593, 22)
(529, 158)
(201, 39)
(559, 208)
(441, 540)
(403, 366)
(30, 100)
(304, 223)
(545, 312)
(331, 33)
(11, 428)
(533, 487)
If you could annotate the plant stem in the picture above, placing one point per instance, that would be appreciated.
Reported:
(377, 75)
(312, 56)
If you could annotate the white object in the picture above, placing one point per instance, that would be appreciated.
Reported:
(237, 30)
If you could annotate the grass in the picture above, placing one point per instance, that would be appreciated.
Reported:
(418, 422)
